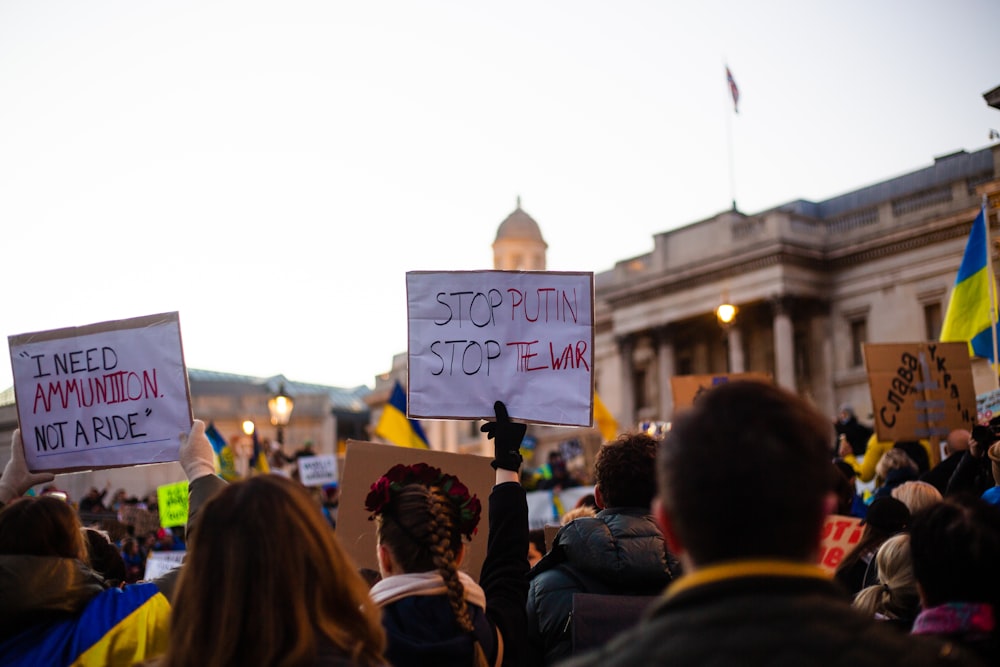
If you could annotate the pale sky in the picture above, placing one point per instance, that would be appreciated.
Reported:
(271, 170)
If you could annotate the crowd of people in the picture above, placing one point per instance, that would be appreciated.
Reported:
(700, 548)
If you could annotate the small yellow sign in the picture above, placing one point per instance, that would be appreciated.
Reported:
(172, 500)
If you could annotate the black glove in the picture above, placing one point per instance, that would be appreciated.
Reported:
(507, 437)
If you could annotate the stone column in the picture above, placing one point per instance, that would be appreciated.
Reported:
(626, 344)
(734, 337)
(666, 368)
(784, 345)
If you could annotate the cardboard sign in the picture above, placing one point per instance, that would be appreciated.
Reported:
(840, 535)
(550, 531)
(102, 396)
(686, 388)
(365, 462)
(172, 504)
(920, 390)
(159, 563)
(522, 337)
(318, 470)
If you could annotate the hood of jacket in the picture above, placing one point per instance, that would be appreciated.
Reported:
(620, 546)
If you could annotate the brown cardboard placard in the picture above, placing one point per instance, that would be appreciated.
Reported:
(920, 390)
(104, 395)
(365, 462)
(686, 387)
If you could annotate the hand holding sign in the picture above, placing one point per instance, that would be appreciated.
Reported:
(17, 479)
(197, 456)
(507, 437)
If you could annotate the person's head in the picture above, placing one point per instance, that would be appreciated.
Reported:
(42, 526)
(743, 444)
(843, 488)
(421, 514)
(896, 594)
(845, 414)
(957, 441)
(105, 558)
(885, 517)
(956, 551)
(916, 495)
(625, 471)
(266, 582)
(536, 545)
(895, 459)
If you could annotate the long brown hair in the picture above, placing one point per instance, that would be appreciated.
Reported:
(266, 582)
(43, 526)
(420, 526)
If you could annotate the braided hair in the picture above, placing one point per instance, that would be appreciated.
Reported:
(420, 527)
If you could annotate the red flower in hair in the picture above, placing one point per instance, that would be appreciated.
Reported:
(398, 476)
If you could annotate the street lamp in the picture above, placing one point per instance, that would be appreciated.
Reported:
(248, 427)
(726, 313)
(280, 406)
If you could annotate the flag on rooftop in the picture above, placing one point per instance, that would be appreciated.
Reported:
(733, 90)
(971, 313)
(394, 425)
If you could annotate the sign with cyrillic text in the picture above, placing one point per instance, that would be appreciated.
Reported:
(920, 390)
(102, 396)
(522, 337)
(318, 470)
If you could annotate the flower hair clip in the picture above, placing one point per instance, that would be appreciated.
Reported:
(398, 476)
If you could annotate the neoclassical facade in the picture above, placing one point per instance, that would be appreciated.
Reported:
(812, 281)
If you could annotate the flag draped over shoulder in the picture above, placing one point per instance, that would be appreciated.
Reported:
(394, 425)
(733, 90)
(969, 317)
(604, 420)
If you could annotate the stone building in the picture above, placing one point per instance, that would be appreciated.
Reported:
(812, 282)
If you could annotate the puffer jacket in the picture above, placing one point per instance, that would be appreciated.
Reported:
(620, 551)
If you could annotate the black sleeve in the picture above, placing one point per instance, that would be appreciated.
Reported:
(504, 575)
(970, 475)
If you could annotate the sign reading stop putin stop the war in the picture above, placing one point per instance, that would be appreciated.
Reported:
(103, 395)
(522, 337)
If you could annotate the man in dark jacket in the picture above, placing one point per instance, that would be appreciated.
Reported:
(744, 489)
(620, 551)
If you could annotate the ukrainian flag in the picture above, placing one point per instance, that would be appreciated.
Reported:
(395, 427)
(604, 420)
(969, 317)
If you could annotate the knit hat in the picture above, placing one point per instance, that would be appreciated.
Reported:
(888, 515)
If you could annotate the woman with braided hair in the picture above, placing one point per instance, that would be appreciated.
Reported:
(433, 613)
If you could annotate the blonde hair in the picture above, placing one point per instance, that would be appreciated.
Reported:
(893, 459)
(896, 596)
(917, 495)
(266, 582)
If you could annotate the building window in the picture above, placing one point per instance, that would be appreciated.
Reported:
(859, 336)
(932, 321)
(639, 387)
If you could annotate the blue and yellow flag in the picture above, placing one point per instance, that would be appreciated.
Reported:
(969, 317)
(604, 420)
(394, 425)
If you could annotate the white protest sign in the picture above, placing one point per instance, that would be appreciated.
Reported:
(318, 470)
(159, 563)
(541, 511)
(102, 396)
(522, 337)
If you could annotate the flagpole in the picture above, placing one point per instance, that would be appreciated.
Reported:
(729, 136)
